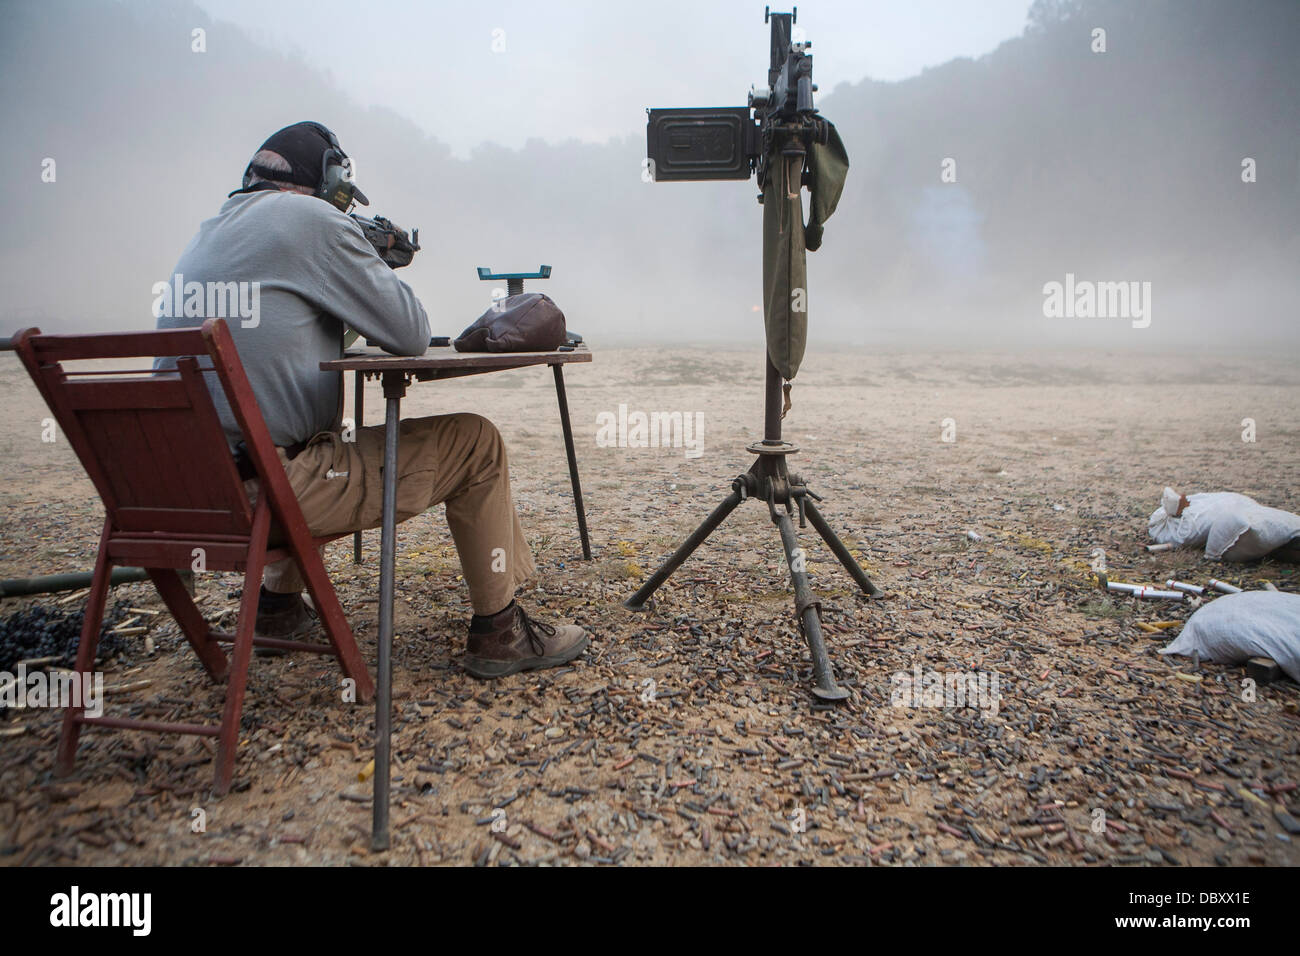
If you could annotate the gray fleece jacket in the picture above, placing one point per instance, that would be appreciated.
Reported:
(314, 271)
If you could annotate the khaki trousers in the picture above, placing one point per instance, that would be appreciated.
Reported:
(457, 459)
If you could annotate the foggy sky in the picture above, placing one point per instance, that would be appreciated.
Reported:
(1122, 166)
(586, 70)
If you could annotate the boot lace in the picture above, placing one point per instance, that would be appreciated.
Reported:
(531, 627)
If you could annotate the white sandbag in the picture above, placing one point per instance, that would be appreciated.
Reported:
(1231, 527)
(1188, 530)
(1236, 627)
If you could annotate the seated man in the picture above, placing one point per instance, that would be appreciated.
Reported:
(285, 233)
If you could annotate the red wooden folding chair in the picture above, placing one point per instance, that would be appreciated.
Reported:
(153, 446)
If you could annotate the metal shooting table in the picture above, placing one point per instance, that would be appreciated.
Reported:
(397, 372)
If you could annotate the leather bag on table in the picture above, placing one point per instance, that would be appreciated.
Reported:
(529, 322)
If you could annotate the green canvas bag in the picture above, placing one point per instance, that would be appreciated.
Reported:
(786, 238)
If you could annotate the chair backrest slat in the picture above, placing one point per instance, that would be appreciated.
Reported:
(114, 438)
(158, 391)
(222, 479)
(159, 429)
(51, 349)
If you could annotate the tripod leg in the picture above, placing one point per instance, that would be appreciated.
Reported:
(637, 601)
(837, 546)
(806, 608)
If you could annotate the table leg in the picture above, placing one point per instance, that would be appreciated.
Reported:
(573, 461)
(394, 389)
(358, 405)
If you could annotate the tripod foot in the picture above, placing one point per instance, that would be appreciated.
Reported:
(834, 692)
(823, 674)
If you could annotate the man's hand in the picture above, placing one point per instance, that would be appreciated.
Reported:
(390, 241)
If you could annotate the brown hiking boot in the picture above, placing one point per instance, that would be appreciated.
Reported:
(511, 641)
(281, 615)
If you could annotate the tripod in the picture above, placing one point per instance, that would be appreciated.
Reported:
(769, 480)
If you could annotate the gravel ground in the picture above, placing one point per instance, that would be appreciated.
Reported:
(686, 735)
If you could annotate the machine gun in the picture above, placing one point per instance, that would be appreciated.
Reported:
(779, 137)
(733, 142)
(392, 243)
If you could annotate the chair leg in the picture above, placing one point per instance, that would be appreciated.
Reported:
(86, 649)
(335, 623)
(195, 628)
(242, 652)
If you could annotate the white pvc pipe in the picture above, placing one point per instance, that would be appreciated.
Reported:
(1185, 587)
(1144, 591)
(1224, 588)
(1157, 595)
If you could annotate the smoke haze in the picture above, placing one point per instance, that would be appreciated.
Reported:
(974, 184)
